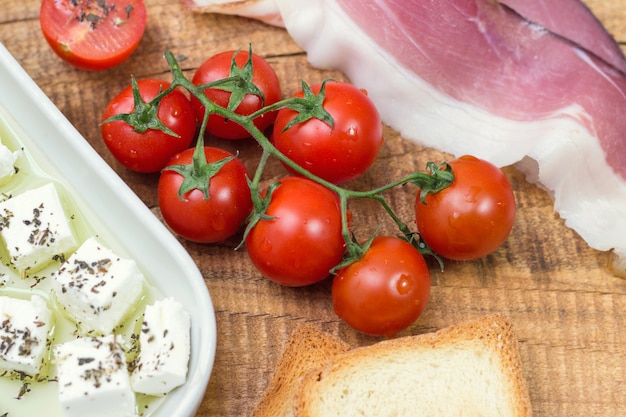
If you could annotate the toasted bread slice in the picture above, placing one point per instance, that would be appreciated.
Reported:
(469, 370)
(307, 349)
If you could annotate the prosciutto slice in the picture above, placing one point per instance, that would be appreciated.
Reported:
(263, 10)
(540, 84)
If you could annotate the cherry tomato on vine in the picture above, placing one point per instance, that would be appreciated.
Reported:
(93, 34)
(473, 216)
(262, 77)
(202, 220)
(301, 241)
(340, 153)
(385, 291)
(149, 150)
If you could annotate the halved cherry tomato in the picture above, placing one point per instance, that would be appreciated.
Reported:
(385, 291)
(263, 77)
(149, 150)
(93, 34)
(197, 219)
(473, 216)
(300, 240)
(340, 153)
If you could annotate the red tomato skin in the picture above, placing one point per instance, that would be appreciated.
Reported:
(218, 67)
(304, 242)
(206, 221)
(471, 218)
(88, 46)
(339, 154)
(385, 291)
(151, 150)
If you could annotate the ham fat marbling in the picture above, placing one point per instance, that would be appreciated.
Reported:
(535, 83)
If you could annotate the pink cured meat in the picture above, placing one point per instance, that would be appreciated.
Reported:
(572, 20)
(496, 61)
(537, 83)
(263, 10)
(475, 77)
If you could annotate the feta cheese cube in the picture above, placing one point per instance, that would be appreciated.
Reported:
(24, 328)
(93, 378)
(165, 347)
(96, 287)
(7, 163)
(35, 228)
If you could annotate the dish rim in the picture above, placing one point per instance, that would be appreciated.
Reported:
(159, 254)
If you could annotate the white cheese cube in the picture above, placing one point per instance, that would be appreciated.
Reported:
(35, 228)
(165, 347)
(7, 163)
(93, 378)
(24, 328)
(97, 288)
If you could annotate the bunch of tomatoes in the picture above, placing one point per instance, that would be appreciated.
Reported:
(296, 231)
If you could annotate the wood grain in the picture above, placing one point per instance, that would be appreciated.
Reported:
(568, 311)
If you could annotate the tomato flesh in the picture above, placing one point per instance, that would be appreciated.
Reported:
(340, 153)
(93, 34)
(385, 291)
(263, 76)
(300, 241)
(201, 220)
(473, 216)
(150, 150)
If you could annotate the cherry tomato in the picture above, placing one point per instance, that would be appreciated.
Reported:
(150, 150)
(473, 216)
(385, 291)
(338, 154)
(302, 240)
(206, 220)
(263, 77)
(93, 34)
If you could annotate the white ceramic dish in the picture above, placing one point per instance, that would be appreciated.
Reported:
(61, 148)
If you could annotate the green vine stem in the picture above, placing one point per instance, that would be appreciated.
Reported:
(310, 106)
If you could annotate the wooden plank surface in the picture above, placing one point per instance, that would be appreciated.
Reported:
(569, 312)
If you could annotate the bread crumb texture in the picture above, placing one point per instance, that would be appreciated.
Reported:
(472, 369)
(307, 349)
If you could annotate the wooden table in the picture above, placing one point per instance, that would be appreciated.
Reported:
(569, 312)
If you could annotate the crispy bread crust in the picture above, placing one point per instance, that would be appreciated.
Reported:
(492, 333)
(307, 349)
